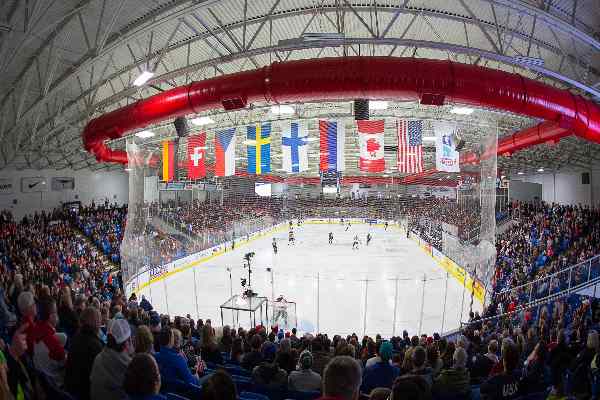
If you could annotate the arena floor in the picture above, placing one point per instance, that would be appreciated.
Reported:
(329, 283)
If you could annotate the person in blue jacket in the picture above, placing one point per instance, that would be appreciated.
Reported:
(382, 373)
(172, 365)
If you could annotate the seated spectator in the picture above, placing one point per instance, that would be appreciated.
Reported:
(144, 340)
(110, 365)
(28, 311)
(285, 358)
(226, 340)
(209, 348)
(504, 386)
(532, 380)
(85, 346)
(419, 358)
(21, 376)
(381, 373)
(48, 347)
(410, 387)
(342, 378)
(268, 373)
(145, 304)
(304, 379)
(254, 357)
(142, 379)
(321, 355)
(219, 386)
(172, 365)
(237, 351)
(155, 328)
(454, 381)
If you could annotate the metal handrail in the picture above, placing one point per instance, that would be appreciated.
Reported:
(551, 276)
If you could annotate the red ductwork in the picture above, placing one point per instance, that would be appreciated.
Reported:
(347, 78)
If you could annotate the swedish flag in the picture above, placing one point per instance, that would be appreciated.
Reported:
(259, 148)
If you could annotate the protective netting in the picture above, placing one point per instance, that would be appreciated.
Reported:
(368, 253)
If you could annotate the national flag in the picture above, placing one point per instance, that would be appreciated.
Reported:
(294, 146)
(196, 154)
(168, 161)
(410, 146)
(446, 156)
(259, 148)
(225, 152)
(332, 138)
(371, 144)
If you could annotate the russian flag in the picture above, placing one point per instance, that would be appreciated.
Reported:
(332, 140)
(225, 152)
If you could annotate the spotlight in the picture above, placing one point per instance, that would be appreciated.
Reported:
(143, 78)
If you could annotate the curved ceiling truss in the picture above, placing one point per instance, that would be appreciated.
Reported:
(62, 84)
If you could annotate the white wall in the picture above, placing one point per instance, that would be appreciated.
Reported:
(566, 187)
(89, 186)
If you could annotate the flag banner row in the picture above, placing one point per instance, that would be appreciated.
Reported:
(332, 140)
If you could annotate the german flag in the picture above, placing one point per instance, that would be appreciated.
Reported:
(168, 163)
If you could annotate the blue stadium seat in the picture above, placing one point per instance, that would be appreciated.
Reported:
(237, 370)
(296, 395)
(181, 388)
(242, 383)
(252, 396)
(173, 396)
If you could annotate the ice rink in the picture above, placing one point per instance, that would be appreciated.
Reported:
(337, 290)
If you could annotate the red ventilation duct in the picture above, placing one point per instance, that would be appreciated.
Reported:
(347, 78)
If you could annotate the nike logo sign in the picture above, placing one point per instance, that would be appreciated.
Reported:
(32, 185)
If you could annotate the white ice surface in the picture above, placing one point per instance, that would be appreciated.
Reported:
(329, 283)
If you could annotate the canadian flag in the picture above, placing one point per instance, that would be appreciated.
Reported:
(196, 153)
(371, 142)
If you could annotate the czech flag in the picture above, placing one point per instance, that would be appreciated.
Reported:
(168, 162)
(332, 140)
(225, 152)
(371, 140)
(259, 148)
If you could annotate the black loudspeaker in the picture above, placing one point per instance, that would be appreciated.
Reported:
(460, 145)
(181, 126)
(585, 178)
(361, 109)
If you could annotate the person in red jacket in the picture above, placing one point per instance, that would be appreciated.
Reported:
(48, 347)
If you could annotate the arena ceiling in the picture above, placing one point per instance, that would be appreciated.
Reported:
(64, 62)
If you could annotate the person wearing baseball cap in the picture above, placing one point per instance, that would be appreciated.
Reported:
(111, 364)
(304, 379)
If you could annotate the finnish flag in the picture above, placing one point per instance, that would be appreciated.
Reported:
(294, 146)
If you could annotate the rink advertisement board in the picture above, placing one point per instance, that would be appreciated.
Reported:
(151, 274)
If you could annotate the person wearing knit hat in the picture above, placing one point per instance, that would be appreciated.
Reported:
(382, 373)
(304, 379)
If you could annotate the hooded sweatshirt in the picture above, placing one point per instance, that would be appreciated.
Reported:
(108, 373)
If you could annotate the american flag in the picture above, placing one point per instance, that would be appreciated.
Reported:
(410, 146)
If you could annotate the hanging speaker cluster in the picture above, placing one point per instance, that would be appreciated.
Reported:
(361, 109)
(181, 126)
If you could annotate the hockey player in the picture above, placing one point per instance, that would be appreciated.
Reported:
(330, 237)
(355, 243)
(347, 226)
(274, 246)
(368, 238)
(291, 239)
(385, 225)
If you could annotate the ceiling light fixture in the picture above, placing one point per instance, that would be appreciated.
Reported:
(462, 110)
(281, 109)
(145, 134)
(520, 173)
(540, 170)
(202, 121)
(378, 105)
(143, 78)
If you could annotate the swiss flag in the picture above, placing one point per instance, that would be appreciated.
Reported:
(370, 138)
(196, 153)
